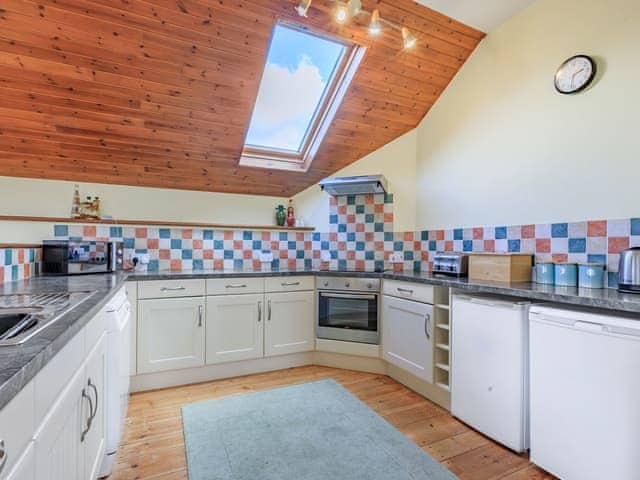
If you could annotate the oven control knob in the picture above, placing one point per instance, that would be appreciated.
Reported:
(326, 284)
(347, 284)
(369, 285)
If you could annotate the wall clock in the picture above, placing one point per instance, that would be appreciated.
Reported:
(575, 74)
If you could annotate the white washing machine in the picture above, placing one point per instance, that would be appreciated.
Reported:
(118, 358)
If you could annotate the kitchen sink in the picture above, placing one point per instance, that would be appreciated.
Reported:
(22, 316)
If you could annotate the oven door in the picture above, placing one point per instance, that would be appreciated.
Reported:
(351, 317)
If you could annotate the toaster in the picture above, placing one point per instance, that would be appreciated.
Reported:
(451, 263)
(629, 271)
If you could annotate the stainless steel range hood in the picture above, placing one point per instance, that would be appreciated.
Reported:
(354, 185)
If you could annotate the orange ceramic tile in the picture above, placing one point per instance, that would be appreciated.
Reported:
(333, 201)
(333, 237)
(299, 237)
(424, 256)
(597, 228)
(265, 236)
(560, 257)
(307, 245)
(218, 264)
(291, 264)
(543, 245)
(207, 254)
(284, 254)
(368, 199)
(247, 254)
(20, 256)
(618, 244)
(359, 227)
(378, 246)
(228, 235)
(153, 243)
(342, 210)
(141, 233)
(275, 245)
(27, 270)
(187, 233)
(478, 233)
(176, 265)
(528, 231)
(369, 236)
(351, 255)
(408, 236)
(1, 274)
(342, 246)
(378, 208)
(448, 246)
(89, 231)
(351, 218)
(256, 265)
(359, 264)
(197, 244)
(237, 244)
(439, 234)
(164, 254)
(489, 245)
(388, 217)
(316, 254)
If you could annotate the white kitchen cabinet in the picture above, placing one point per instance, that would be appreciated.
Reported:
(289, 325)
(234, 328)
(24, 468)
(407, 335)
(171, 334)
(95, 385)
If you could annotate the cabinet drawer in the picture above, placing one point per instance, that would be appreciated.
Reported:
(289, 284)
(171, 288)
(17, 425)
(414, 291)
(234, 286)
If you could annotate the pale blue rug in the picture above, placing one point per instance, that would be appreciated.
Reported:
(313, 431)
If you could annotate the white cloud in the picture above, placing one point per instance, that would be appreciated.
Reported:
(286, 102)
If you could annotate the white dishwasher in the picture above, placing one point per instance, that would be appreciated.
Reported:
(585, 394)
(489, 367)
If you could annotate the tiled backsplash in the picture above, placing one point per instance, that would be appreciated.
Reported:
(19, 263)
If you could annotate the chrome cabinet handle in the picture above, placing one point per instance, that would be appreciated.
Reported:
(175, 289)
(405, 290)
(86, 430)
(269, 310)
(3, 455)
(259, 312)
(292, 284)
(236, 285)
(199, 315)
(95, 406)
(427, 323)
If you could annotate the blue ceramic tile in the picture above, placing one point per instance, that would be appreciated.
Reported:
(514, 246)
(467, 246)
(398, 246)
(115, 232)
(228, 254)
(596, 258)
(164, 233)
(351, 199)
(369, 218)
(333, 219)
(141, 250)
(501, 233)
(307, 263)
(424, 235)
(408, 255)
(218, 245)
(60, 230)
(187, 254)
(75, 239)
(129, 242)
(32, 255)
(275, 263)
(342, 228)
(334, 254)
(300, 254)
(360, 246)
(635, 226)
(417, 266)
(153, 266)
(14, 272)
(283, 237)
(359, 208)
(433, 245)
(378, 227)
(342, 264)
(457, 234)
(612, 277)
(324, 245)
(176, 243)
(291, 245)
(559, 230)
(351, 237)
(207, 234)
(7, 256)
(257, 245)
(378, 265)
(388, 236)
(198, 264)
(369, 255)
(577, 245)
(388, 198)
(315, 236)
(247, 236)
(238, 264)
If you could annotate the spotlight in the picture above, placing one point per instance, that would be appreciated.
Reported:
(342, 14)
(375, 27)
(408, 39)
(302, 7)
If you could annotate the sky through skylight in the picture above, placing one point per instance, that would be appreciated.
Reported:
(299, 67)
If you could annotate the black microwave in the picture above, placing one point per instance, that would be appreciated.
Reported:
(81, 257)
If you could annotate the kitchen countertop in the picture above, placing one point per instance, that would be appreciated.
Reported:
(19, 364)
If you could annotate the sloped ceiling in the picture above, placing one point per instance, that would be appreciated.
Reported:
(160, 92)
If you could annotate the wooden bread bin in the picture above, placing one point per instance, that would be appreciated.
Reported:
(500, 267)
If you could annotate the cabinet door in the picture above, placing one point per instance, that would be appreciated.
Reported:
(170, 334)
(289, 326)
(95, 386)
(234, 328)
(24, 468)
(59, 450)
(407, 336)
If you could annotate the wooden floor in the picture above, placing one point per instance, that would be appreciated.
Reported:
(153, 446)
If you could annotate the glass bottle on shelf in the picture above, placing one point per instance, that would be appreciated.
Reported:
(75, 204)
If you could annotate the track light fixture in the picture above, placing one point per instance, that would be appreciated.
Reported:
(351, 8)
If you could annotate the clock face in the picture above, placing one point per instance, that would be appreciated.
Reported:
(575, 74)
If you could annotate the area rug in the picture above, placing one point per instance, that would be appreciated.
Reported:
(313, 431)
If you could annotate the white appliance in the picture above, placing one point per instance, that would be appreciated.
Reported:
(585, 394)
(118, 313)
(489, 367)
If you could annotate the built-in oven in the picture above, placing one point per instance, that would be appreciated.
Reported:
(348, 310)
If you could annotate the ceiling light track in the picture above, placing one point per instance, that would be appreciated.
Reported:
(346, 10)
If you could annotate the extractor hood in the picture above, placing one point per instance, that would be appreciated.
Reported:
(354, 185)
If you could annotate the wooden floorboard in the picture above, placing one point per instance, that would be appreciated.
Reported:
(153, 445)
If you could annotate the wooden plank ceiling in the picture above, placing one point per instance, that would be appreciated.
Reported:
(160, 92)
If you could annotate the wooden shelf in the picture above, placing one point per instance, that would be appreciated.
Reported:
(119, 221)
(442, 346)
(442, 326)
(442, 306)
(443, 386)
(442, 366)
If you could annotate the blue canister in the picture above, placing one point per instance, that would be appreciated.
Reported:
(591, 275)
(545, 272)
(566, 274)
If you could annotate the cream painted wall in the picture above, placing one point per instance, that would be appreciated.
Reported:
(396, 161)
(502, 147)
(53, 198)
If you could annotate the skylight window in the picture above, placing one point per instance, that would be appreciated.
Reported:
(305, 78)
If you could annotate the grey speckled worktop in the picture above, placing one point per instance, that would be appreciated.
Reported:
(19, 364)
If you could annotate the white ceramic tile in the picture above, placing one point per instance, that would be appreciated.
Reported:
(577, 229)
(559, 245)
(543, 230)
(618, 228)
(502, 245)
(597, 245)
(514, 232)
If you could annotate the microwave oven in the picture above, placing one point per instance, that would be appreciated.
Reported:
(81, 257)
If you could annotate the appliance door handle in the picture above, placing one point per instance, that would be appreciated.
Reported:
(351, 296)
(172, 289)
(269, 309)
(236, 285)
(86, 430)
(259, 312)
(200, 309)
(405, 290)
(427, 324)
(292, 284)
(3, 455)
(95, 405)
